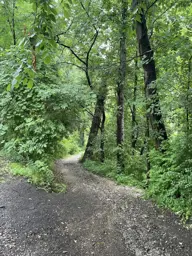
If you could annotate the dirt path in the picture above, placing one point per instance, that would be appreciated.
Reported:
(95, 217)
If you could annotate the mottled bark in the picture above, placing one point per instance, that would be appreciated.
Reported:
(188, 93)
(153, 105)
(102, 144)
(13, 23)
(95, 126)
(134, 110)
(121, 86)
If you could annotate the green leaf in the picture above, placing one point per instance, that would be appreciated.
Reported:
(66, 13)
(30, 84)
(52, 17)
(138, 17)
(25, 81)
(9, 87)
(47, 60)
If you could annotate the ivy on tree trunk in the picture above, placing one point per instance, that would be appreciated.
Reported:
(153, 105)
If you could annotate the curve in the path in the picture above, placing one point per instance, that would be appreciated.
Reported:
(94, 217)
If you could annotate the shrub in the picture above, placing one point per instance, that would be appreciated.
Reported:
(171, 176)
(109, 169)
(38, 174)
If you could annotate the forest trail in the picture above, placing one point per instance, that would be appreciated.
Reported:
(94, 217)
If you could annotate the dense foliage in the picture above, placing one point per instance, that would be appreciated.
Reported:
(122, 68)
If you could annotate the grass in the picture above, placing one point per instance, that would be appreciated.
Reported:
(109, 170)
(33, 176)
(4, 169)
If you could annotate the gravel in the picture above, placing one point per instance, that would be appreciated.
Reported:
(94, 217)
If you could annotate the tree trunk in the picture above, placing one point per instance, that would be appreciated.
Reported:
(95, 126)
(153, 106)
(13, 23)
(102, 144)
(147, 135)
(188, 92)
(120, 87)
(134, 111)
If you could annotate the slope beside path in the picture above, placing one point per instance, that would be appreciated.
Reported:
(94, 217)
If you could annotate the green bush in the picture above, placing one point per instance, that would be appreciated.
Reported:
(171, 176)
(38, 174)
(4, 168)
(109, 169)
(135, 165)
(104, 169)
(31, 130)
(37, 110)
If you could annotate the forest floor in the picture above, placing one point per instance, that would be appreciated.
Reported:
(94, 217)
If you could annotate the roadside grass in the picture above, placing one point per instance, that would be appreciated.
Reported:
(109, 170)
(4, 169)
(158, 191)
(36, 174)
(43, 178)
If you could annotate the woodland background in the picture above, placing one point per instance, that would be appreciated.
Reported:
(112, 78)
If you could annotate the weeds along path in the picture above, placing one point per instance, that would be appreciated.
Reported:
(94, 217)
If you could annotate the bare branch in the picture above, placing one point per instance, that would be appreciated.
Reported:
(92, 44)
(87, 58)
(64, 32)
(149, 7)
(87, 110)
(71, 50)
(87, 14)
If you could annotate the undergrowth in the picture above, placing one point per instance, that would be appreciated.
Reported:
(36, 173)
(171, 177)
(170, 181)
(4, 169)
(108, 169)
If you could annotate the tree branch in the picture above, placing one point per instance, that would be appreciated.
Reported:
(149, 7)
(71, 50)
(87, 110)
(91, 46)
(87, 59)
(64, 32)
(159, 16)
(87, 14)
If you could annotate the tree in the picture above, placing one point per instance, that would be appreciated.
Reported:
(150, 76)
(121, 84)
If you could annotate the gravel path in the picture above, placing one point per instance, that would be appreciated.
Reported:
(94, 217)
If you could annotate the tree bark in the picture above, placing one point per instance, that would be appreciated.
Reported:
(95, 126)
(102, 144)
(153, 105)
(13, 23)
(147, 135)
(134, 110)
(188, 92)
(121, 86)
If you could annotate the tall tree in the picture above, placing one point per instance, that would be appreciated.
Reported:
(150, 76)
(121, 84)
(134, 135)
